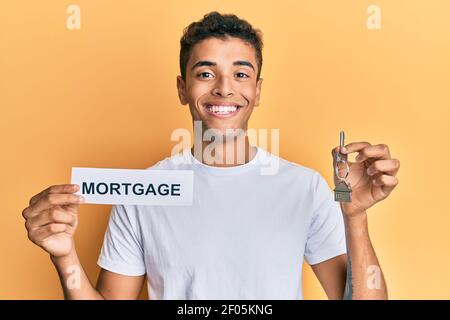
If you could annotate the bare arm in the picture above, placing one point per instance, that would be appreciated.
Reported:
(116, 286)
(110, 285)
(356, 275)
(331, 275)
(366, 279)
(372, 177)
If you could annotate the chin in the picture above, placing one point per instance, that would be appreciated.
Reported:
(230, 130)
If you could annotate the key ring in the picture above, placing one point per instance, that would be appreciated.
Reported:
(339, 160)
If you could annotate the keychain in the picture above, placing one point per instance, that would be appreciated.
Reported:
(343, 191)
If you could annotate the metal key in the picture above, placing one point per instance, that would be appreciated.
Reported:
(343, 191)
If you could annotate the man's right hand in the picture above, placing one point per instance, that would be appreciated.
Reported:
(51, 218)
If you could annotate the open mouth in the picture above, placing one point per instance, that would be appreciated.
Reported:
(222, 111)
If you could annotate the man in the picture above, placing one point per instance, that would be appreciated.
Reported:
(246, 233)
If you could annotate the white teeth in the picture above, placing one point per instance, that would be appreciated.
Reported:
(222, 109)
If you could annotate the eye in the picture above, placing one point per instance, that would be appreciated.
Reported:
(241, 75)
(205, 75)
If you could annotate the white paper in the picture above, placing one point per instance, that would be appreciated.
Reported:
(135, 187)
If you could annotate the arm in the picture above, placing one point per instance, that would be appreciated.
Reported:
(356, 275)
(110, 285)
(372, 177)
(365, 279)
(332, 276)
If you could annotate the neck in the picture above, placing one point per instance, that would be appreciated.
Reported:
(232, 151)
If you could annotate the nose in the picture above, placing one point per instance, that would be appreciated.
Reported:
(223, 88)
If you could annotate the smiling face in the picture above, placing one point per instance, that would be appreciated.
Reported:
(221, 85)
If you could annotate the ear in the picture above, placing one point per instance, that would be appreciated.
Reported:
(258, 91)
(181, 86)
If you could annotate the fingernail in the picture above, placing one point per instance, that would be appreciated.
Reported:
(358, 157)
(369, 172)
(344, 149)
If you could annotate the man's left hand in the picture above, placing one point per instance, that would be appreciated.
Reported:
(372, 176)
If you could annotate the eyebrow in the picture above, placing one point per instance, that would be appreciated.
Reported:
(211, 64)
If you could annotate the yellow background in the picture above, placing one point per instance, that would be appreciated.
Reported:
(105, 96)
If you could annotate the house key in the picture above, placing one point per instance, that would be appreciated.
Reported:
(342, 191)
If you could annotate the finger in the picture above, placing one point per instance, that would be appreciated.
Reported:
(390, 167)
(354, 147)
(39, 235)
(379, 151)
(53, 215)
(53, 199)
(387, 182)
(36, 209)
(60, 188)
(71, 207)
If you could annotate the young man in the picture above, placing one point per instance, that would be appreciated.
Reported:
(246, 233)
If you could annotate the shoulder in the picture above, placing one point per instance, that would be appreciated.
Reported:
(311, 181)
(178, 161)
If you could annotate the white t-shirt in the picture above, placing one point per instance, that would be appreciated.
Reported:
(244, 237)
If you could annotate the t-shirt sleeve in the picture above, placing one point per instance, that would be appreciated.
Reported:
(326, 235)
(122, 250)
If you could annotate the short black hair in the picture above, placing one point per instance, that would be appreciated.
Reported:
(216, 25)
